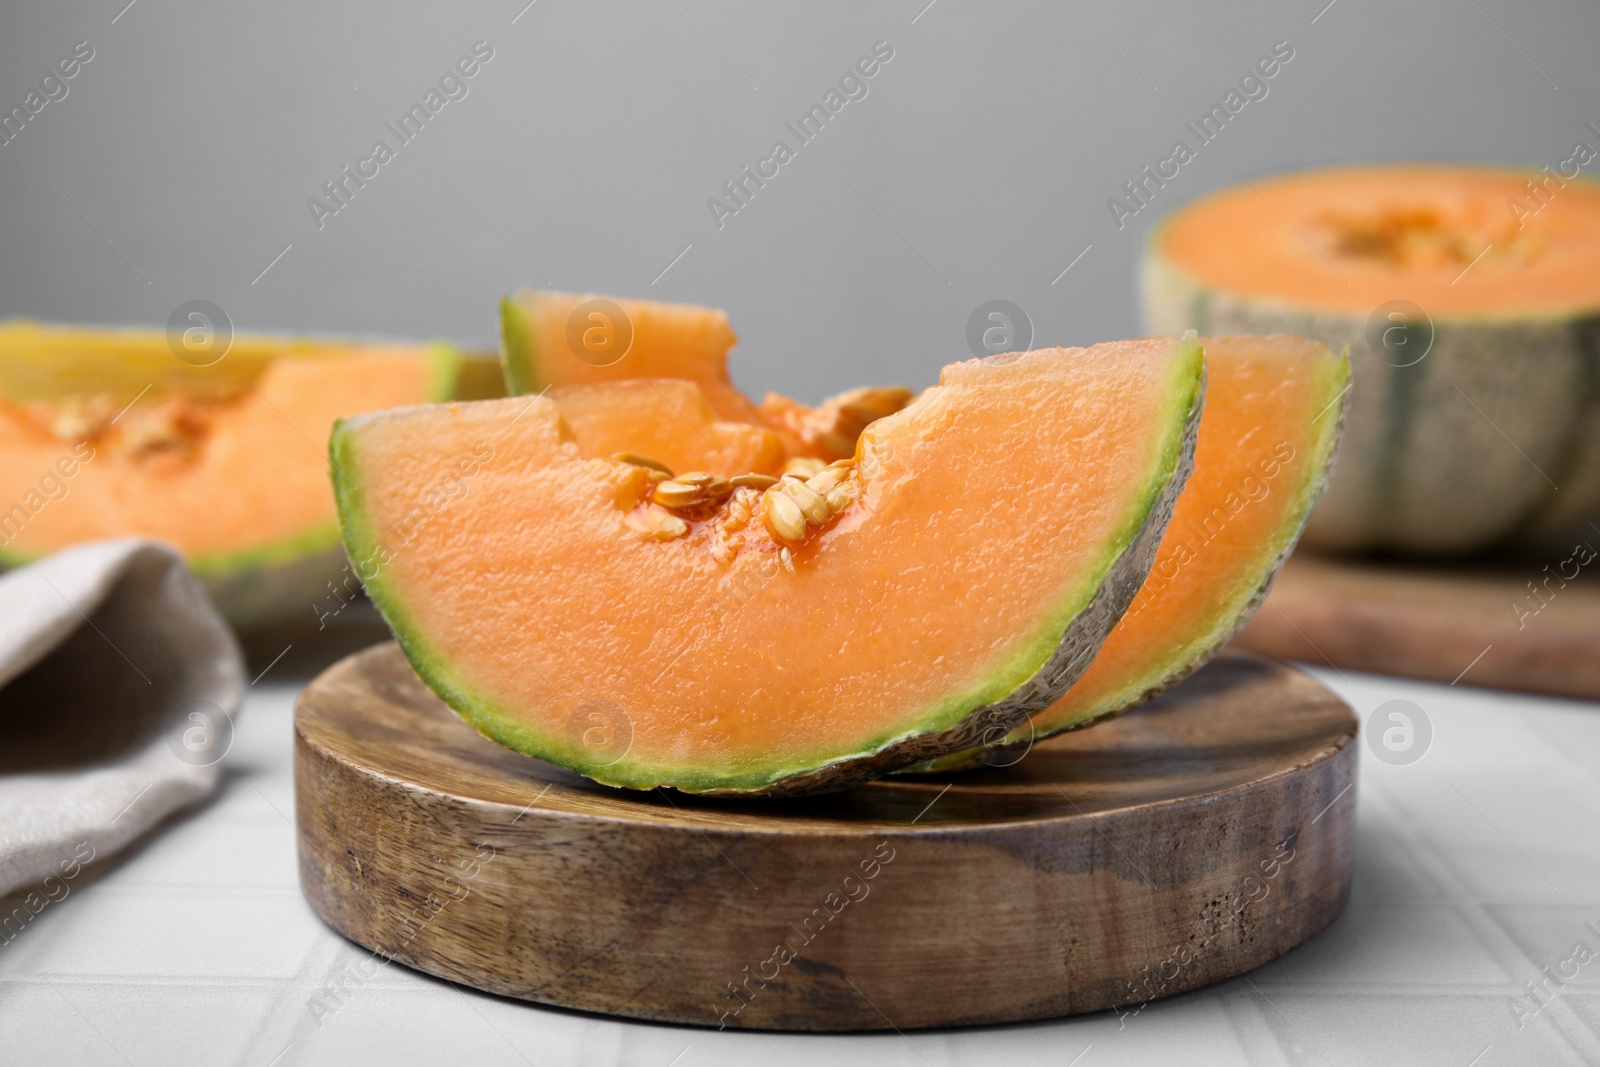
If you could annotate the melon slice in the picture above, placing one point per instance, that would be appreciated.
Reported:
(106, 433)
(556, 339)
(1274, 406)
(1472, 422)
(951, 578)
(668, 420)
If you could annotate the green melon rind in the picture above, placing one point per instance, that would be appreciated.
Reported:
(265, 586)
(1443, 457)
(1064, 644)
(1572, 513)
(518, 352)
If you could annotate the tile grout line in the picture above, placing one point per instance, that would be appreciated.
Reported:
(1496, 941)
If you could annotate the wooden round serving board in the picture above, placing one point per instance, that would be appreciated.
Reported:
(1192, 840)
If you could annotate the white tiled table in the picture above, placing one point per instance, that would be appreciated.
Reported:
(1475, 867)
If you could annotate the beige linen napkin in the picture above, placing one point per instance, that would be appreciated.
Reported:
(118, 686)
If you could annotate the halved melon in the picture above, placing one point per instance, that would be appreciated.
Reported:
(556, 339)
(1274, 406)
(1473, 423)
(668, 420)
(106, 433)
(951, 578)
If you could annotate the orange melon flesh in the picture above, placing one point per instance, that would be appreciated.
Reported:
(1353, 239)
(648, 340)
(668, 420)
(1267, 438)
(991, 513)
(225, 463)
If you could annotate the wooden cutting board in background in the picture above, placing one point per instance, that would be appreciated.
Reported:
(1478, 626)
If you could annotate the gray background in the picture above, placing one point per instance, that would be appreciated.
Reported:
(978, 166)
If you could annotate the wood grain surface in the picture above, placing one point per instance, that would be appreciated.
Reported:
(1534, 627)
(1187, 842)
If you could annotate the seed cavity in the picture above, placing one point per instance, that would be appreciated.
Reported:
(1411, 237)
(161, 435)
(795, 508)
(848, 414)
(808, 496)
(164, 430)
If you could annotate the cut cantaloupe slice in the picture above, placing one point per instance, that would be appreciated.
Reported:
(1267, 439)
(954, 576)
(668, 420)
(556, 339)
(107, 433)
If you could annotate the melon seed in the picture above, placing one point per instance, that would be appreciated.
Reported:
(694, 490)
(826, 479)
(642, 461)
(783, 515)
(809, 500)
(753, 481)
(840, 496)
